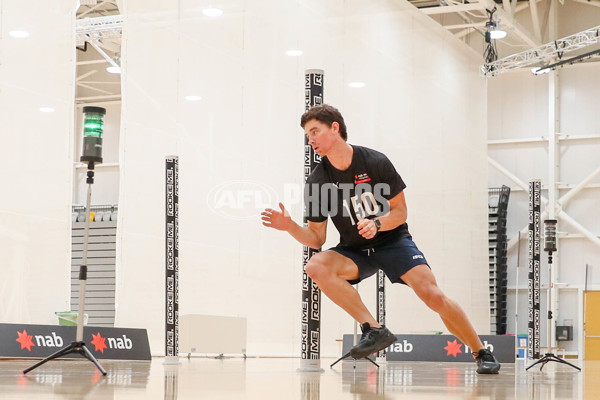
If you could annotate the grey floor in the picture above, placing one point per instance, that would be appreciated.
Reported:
(272, 378)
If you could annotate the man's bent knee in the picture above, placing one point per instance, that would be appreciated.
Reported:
(329, 265)
(435, 299)
(315, 269)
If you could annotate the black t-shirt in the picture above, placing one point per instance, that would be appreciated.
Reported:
(360, 191)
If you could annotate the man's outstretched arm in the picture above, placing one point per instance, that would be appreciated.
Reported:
(313, 235)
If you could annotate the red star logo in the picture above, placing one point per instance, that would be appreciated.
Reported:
(453, 348)
(25, 340)
(99, 342)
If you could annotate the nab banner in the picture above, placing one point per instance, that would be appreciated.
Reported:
(442, 348)
(40, 341)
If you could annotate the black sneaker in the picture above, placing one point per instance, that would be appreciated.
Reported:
(486, 362)
(372, 340)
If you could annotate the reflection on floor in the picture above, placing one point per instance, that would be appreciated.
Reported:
(276, 378)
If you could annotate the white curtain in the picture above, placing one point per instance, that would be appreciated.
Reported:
(423, 105)
(36, 159)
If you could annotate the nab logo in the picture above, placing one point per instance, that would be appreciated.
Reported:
(453, 348)
(404, 347)
(487, 345)
(26, 340)
(100, 343)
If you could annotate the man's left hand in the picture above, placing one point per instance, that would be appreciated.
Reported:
(367, 228)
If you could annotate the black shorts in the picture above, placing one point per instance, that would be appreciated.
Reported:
(395, 258)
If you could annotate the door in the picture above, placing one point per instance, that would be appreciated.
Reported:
(592, 325)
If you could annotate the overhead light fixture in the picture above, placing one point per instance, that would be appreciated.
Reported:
(212, 12)
(18, 34)
(115, 65)
(193, 98)
(493, 27)
(357, 85)
(540, 70)
(294, 53)
(492, 32)
(46, 109)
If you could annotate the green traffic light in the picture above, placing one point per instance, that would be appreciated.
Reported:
(93, 124)
(93, 128)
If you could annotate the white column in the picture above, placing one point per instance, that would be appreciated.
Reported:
(553, 172)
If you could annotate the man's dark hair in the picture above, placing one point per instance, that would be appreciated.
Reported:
(326, 114)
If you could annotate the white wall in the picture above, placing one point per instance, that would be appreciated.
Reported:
(35, 160)
(424, 106)
(518, 108)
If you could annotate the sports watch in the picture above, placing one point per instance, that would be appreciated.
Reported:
(377, 223)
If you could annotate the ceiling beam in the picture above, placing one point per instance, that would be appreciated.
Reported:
(103, 54)
(466, 26)
(512, 25)
(535, 19)
(93, 88)
(110, 45)
(508, 7)
(91, 9)
(453, 9)
(91, 62)
(107, 97)
(589, 2)
(80, 77)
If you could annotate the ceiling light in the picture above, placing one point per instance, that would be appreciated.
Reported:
(46, 109)
(18, 34)
(540, 70)
(212, 12)
(193, 98)
(113, 70)
(493, 26)
(357, 85)
(294, 53)
(497, 33)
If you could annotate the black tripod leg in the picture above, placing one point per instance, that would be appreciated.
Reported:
(560, 360)
(347, 355)
(340, 359)
(88, 354)
(541, 360)
(551, 357)
(66, 350)
(373, 362)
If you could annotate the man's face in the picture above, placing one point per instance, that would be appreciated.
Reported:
(320, 136)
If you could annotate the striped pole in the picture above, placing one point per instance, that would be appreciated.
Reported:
(381, 305)
(533, 292)
(311, 294)
(172, 260)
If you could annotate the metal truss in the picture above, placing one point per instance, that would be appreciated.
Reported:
(94, 29)
(544, 54)
(102, 33)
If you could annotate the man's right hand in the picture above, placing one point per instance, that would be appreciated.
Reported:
(279, 220)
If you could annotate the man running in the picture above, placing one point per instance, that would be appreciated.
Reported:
(360, 190)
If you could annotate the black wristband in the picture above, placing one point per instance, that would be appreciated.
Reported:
(377, 223)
